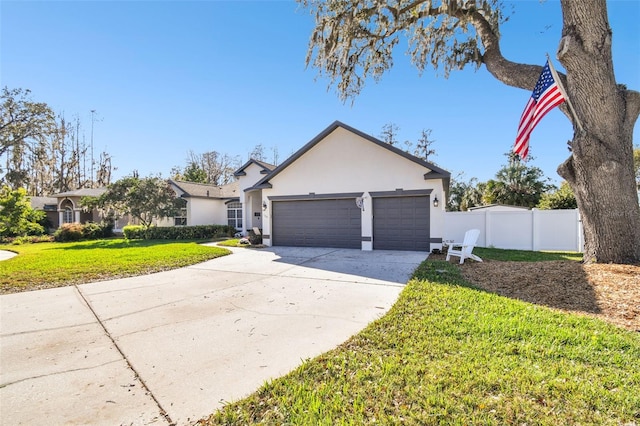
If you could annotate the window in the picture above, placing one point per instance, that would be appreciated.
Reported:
(234, 214)
(67, 212)
(181, 218)
(67, 215)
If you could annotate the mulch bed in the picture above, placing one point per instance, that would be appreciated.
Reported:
(607, 291)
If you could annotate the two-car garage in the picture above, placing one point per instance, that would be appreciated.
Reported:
(347, 189)
(400, 222)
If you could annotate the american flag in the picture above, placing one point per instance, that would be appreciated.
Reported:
(546, 96)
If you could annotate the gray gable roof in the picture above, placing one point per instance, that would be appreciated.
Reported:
(44, 203)
(202, 190)
(82, 192)
(434, 172)
(266, 167)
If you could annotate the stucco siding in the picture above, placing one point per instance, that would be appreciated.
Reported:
(251, 202)
(344, 162)
(201, 211)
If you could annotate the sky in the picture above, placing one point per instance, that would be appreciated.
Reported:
(169, 77)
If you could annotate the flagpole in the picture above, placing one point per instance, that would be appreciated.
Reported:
(564, 93)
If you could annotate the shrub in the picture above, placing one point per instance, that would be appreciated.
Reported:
(95, 231)
(133, 232)
(28, 239)
(69, 232)
(200, 232)
(88, 231)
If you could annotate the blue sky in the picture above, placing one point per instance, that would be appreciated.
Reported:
(168, 77)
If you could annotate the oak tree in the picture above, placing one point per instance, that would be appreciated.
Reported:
(354, 40)
(145, 199)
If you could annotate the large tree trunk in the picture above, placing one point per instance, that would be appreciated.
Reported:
(600, 169)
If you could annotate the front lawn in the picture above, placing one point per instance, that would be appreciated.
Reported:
(45, 265)
(450, 353)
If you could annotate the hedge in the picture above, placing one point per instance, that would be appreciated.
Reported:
(200, 232)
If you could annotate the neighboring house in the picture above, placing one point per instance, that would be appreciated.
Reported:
(69, 208)
(498, 208)
(208, 204)
(347, 189)
(65, 207)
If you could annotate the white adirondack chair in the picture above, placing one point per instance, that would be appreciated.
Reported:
(465, 249)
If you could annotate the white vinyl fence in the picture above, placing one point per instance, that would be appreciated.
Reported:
(559, 230)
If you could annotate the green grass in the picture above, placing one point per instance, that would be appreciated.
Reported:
(524, 255)
(234, 242)
(44, 265)
(448, 353)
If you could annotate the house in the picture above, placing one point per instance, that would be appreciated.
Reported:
(346, 189)
(69, 208)
(206, 204)
(65, 207)
(343, 189)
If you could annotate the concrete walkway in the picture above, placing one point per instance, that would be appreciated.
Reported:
(6, 254)
(175, 346)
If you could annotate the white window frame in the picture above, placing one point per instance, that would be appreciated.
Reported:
(234, 214)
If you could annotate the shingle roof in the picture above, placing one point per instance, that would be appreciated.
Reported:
(266, 167)
(82, 192)
(202, 190)
(39, 203)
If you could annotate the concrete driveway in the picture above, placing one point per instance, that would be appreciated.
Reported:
(173, 347)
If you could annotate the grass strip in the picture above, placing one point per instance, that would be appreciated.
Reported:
(45, 265)
(448, 353)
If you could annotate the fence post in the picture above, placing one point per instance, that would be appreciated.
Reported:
(580, 241)
(487, 229)
(535, 217)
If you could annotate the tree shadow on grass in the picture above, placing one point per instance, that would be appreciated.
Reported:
(557, 284)
(117, 244)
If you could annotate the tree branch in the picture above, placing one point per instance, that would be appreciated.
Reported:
(633, 106)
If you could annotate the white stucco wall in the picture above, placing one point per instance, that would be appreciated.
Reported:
(251, 202)
(206, 211)
(344, 162)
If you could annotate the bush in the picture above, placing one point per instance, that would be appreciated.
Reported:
(200, 232)
(133, 232)
(69, 232)
(16, 241)
(95, 231)
(88, 231)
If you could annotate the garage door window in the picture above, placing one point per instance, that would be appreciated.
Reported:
(234, 215)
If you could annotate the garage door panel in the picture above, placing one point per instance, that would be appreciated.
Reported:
(401, 223)
(317, 223)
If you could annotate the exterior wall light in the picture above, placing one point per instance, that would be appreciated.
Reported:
(435, 201)
(264, 206)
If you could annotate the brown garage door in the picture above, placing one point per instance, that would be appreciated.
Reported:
(401, 223)
(317, 223)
